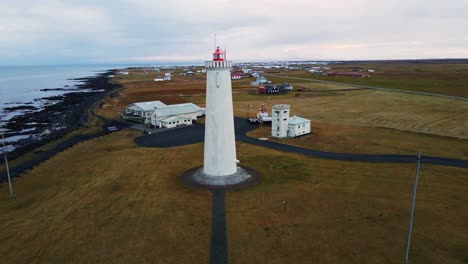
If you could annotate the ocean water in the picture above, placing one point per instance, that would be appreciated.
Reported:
(21, 85)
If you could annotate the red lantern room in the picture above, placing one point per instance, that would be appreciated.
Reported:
(218, 55)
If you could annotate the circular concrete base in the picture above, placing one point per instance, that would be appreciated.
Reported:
(243, 178)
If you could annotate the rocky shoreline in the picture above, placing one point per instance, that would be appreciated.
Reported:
(61, 114)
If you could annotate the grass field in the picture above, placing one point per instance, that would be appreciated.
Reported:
(343, 212)
(448, 79)
(107, 201)
(121, 203)
(334, 137)
(421, 114)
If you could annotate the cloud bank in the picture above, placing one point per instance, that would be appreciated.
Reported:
(120, 31)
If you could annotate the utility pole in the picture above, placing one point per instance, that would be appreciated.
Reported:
(6, 160)
(415, 187)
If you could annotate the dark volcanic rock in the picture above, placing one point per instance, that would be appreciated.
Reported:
(53, 89)
(56, 120)
(20, 107)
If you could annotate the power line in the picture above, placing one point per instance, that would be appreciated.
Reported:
(6, 160)
(415, 187)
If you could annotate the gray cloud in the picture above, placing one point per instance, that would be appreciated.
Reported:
(53, 31)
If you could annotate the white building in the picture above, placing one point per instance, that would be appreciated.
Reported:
(246, 71)
(280, 120)
(175, 115)
(167, 77)
(283, 126)
(141, 111)
(298, 126)
(160, 79)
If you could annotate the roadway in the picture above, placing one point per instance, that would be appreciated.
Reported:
(195, 134)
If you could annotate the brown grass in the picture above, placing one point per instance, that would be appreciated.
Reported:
(414, 113)
(336, 137)
(108, 200)
(344, 212)
(440, 78)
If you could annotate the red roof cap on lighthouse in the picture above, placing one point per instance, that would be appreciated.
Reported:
(218, 55)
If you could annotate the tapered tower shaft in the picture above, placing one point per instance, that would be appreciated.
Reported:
(220, 146)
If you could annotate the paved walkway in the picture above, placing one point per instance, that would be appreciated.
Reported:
(219, 249)
(195, 134)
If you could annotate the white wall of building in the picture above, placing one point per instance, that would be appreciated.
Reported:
(175, 122)
(280, 120)
(158, 121)
(299, 129)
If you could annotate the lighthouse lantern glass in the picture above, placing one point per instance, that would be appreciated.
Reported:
(218, 55)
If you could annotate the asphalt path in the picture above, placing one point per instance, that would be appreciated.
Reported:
(219, 248)
(195, 134)
(371, 87)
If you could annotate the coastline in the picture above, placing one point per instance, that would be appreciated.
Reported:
(68, 112)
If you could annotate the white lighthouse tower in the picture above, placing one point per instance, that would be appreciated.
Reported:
(220, 162)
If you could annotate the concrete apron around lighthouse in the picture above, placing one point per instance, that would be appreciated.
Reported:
(220, 161)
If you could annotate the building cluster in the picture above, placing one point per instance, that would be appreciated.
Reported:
(284, 126)
(319, 70)
(159, 115)
(166, 77)
(275, 89)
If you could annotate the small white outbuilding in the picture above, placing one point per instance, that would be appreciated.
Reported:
(298, 126)
(283, 126)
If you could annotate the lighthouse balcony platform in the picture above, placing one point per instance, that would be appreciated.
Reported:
(218, 64)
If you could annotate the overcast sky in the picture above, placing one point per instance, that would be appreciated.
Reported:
(122, 31)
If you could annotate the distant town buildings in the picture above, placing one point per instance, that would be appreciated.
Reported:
(260, 80)
(274, 89)
(167, 77)
(236, 75)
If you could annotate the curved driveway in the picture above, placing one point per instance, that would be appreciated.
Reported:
(195, 134)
